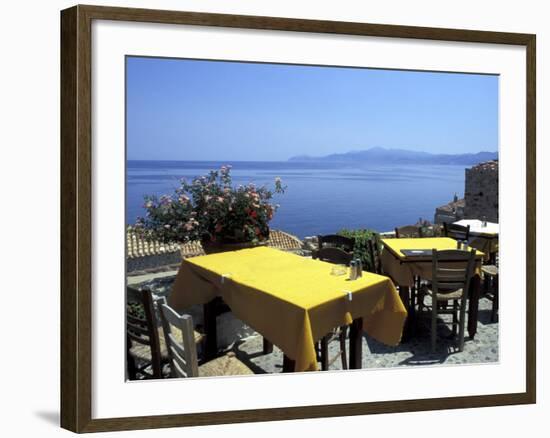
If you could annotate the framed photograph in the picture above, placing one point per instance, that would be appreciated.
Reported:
(270, 218)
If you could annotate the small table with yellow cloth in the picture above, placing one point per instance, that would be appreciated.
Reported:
(403, 269)
(291, 300)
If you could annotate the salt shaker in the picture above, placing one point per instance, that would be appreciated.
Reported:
(353, 270)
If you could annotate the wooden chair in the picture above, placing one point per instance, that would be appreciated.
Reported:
(457, 232)
(146, 342)
(142, 337)
(451, 274)
(182, 350)
(408, 231)
(374, 255)
(333, 254)
(490, 281)
(335, 240)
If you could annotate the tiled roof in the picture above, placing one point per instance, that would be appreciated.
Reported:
(281, 240)
(137, 247)
(487, 165)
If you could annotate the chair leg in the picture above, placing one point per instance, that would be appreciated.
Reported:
(324, 353)
(494, 311)
(343, 352)
(434, 322)
(288, 364)
(455, 317)
(132, 370)
(462, 324)
(486, 281)
(130, 361)
(267, 347)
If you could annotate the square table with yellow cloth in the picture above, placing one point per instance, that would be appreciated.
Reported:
(403, 269)
(291, 300)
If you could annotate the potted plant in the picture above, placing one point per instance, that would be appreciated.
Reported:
(212, 210)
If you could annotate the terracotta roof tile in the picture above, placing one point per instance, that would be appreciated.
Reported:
(137, 247)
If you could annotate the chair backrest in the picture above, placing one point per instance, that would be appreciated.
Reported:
(183, 355)
(408, 231)
(141, 325)
(374, 255)
(335, 240)
(457, 232)
(437, 230)
(452, 269)
(333, 255)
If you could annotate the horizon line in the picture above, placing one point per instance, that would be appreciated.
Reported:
(317, 156)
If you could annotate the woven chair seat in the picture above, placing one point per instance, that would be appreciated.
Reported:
(227, 365)
(454, 295)
(491, 270)
(445, 296)
(143, 352)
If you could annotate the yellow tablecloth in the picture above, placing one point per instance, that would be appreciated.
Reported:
(291, 300)
(403, 269)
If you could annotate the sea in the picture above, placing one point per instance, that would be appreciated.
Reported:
(320, 197)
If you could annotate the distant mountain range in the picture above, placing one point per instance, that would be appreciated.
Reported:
(400, 156)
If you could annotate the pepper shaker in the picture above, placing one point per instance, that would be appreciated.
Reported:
(359, 265)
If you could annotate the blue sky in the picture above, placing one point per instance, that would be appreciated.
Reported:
(212, 110)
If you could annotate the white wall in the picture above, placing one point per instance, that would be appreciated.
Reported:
(29, 218)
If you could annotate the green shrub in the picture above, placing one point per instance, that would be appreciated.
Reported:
(361, 249)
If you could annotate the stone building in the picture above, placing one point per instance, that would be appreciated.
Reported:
(451, 212)
(481, 192)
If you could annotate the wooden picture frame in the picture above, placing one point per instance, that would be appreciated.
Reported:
(76, 217)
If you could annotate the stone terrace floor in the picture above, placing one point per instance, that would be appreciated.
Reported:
(415, 352)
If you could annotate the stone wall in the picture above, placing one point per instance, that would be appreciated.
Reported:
(481, 192)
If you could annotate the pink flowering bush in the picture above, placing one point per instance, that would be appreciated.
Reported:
(210, 209)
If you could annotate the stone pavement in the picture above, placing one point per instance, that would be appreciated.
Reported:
(416, 352)
(234, 335)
